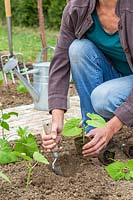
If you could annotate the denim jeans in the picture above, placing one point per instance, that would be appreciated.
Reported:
(100, 87)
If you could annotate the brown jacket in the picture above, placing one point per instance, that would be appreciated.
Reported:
(76, 21)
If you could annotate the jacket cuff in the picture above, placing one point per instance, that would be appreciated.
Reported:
(124, 115)
(57, 103)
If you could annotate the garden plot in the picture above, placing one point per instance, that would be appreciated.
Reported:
(83, 179)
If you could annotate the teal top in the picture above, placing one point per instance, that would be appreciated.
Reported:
(110, 45)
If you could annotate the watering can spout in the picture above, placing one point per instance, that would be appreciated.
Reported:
(29, 87)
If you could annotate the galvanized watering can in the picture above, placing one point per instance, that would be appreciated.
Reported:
(39, 89)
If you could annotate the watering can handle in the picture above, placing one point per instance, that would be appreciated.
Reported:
(8, 8)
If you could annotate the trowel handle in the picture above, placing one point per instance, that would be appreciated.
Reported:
(47, 130)
(8, 8)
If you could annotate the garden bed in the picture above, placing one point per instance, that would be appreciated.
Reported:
(83, 179)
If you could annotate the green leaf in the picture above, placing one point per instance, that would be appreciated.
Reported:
(5, 177)
(95, 120)
(71, 128)
(7, 157)
(23, 132)
(128, 176)
(115, 170)
(5, 145)
(130, 164)
(5, 125)
(26, 145)
(5, 116)
(131, 174)
(40, 158)
(13, 113)
(22, 155)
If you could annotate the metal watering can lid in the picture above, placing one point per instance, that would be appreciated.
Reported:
(41, 64)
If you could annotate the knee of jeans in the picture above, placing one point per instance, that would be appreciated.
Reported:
(79, 49)
(101, 103)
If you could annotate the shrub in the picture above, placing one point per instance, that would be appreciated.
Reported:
(24, 13)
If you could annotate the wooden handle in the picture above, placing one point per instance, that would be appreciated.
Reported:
(47, 129)
(7, 8)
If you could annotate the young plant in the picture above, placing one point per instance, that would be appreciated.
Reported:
(6, 153)
(21, 87)
(26, 148)
(26, 142)
(120, 170)
(37, 158)
(3, 118)
(72, 127)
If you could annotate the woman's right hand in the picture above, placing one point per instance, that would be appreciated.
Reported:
(51, 140)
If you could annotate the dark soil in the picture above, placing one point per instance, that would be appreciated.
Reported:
(83, 179)
(10, 97)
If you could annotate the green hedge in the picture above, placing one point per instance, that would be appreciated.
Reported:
(24, 12)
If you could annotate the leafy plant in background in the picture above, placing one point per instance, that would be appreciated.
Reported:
(24, 13)
(21, 87)
(1, 78)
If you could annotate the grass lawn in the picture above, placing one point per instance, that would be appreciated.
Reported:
(26, 41)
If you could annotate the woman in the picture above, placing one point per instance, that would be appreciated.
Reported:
(96, 41)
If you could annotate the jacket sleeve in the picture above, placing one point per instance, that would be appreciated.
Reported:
(125, 111)
(59, 72)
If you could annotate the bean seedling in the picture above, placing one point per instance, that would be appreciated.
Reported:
(38, 158)
(26, 148)
(120, 170)
(72, 127)
(5, 116)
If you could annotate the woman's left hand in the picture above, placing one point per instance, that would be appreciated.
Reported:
(100, 138)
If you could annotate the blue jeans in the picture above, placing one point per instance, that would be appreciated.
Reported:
(100, 87)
